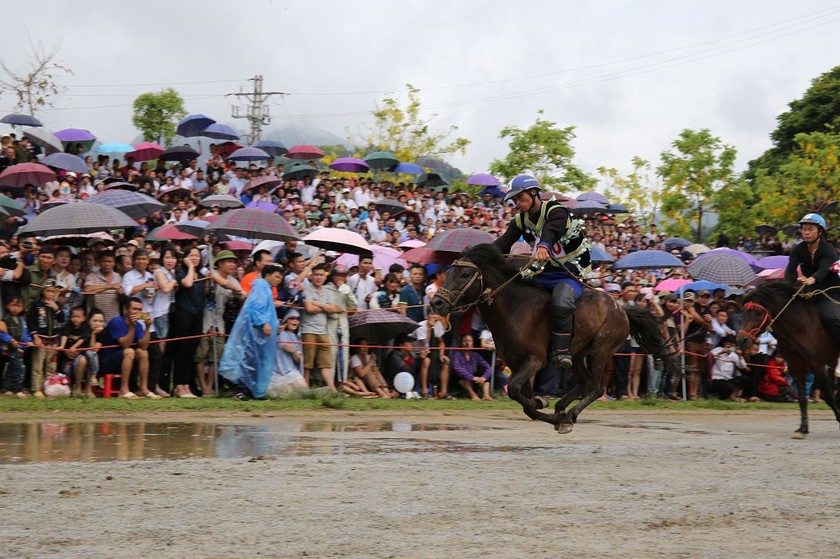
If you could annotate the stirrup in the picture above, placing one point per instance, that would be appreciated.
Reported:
(561, 358)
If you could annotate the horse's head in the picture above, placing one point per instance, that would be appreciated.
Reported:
(462, 287)
(759, 311)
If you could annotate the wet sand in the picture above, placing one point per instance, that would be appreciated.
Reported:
(698, 484)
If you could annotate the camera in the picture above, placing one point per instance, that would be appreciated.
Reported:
(143, 315)
(27, 245)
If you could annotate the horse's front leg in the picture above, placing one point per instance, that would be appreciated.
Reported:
(520, 389)
(590, 383)
(803, 405)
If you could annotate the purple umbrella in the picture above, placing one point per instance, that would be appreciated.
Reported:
(587, 207)
(249, 154)
(746, 257)
(66, 161)
(648, 260)
(483, 179)
(267, 206)
(773, 262)
(593, 197)
(220, 132)
(193, 125)
(75, 135)
(349, 165)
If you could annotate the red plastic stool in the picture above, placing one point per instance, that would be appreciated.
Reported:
(110, 383)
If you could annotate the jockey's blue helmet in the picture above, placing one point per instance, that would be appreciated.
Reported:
(521, 183)
(815, 219)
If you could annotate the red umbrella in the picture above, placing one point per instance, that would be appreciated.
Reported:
(305, 151)
(182, 190)
(23, 174)
(237, 246)
(269, 182)
(169, 232)
(145, 151)
(225, 149)
(253, 223)
(119, 185)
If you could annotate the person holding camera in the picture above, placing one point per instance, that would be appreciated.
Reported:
(13, 273)
(727, 380)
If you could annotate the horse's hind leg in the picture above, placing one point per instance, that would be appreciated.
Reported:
(590, 382)
(519, 389)
(826, 384)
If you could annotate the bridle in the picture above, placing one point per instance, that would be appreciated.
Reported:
(452, 297)
(768, 319)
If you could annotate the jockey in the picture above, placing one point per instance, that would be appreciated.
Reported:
(815, 257)
(562, 250)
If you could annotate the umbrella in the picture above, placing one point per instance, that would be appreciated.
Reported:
(23, 174)
(192, 125)
(697, 249)
(145, 151)
(76, 219)
(593, 197)
(456, 240)
(52, 203)
(267, 206)
(20, 120)
(493, 191)
(134, 204)
(751, 260)
(617, 209)
(699, 286)
(521, 247)
(672, 284)
(45, 139)
(431, 179)
(168, 232)
(225, 148)
(383, 258)
(66, 161)
(220, 132)
(483, 179)
(297, 172)
(250, 154)
(193, 227)
(272, 147)
(379, 325)
(407, 169)
(432, 163)
(412, 243)
(114, 147)
(305, 151)
(672, 243)
(773, 262)
(76, 136)
(587, 207)
(254, 224)
(339, 240)
(236, 246)
(425, 255)
(10, 206)
(765, 229)
(390, 206)
(722, 268)
(381, 160)
(648, 259)
(790, 230)
(81, 240)
(221, 200)
(766, 275)
(178, 153)
(180, 190)
(268, 182)
(599, 256)
(118, 185)
(349, 165)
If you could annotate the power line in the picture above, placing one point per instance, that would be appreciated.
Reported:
(257, 110)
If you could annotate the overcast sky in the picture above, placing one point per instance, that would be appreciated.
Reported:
(629, 75)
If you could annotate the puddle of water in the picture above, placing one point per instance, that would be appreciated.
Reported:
(24, 443)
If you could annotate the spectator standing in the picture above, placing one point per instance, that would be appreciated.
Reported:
(13, 333)
(363, 284)
(44, 319)
(318, 302)
(103, 287)
(186, 320)
(411, 295)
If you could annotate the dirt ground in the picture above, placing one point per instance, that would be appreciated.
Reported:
(695, 484)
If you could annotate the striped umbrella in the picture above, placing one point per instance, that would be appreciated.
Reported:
(253, 223)
(268, 182)
(73, 219)
(379, 325)
(134, 204)
(724, 268)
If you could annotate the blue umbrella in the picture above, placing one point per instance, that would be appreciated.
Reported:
(65, 161)
(676, 242)
(114, 147)
(599, 256)
(249, 154)
(193, 125)
(407, 169)
(220, 132)
(617, 209)
(588, 207)
(493, 191)
(20, 120)
(272, 147)
(648, 259)
(700, 286)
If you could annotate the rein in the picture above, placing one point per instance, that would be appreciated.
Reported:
(485, 295)
(768, 317)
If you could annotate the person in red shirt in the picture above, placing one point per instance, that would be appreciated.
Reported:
(774, 387)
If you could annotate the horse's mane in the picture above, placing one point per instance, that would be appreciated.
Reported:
(772, 292)
(492, 262)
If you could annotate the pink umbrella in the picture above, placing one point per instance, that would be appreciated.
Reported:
(521, 247)
(23, 174)
(339, 240)
(672, 284)
(383, 258)
(305, 151)
(145, 151)
(238, 245)
(412, 243)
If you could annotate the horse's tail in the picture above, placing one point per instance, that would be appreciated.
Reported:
(647, 330)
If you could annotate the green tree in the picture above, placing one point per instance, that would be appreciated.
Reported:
(156, 115)
(693, 172)
(545, 151)
(35, 87)
(402, 130)
(640, 190)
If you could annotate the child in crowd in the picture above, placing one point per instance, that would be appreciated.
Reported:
(13, 333)
(774, 387)
(44, 319)
(75, 334)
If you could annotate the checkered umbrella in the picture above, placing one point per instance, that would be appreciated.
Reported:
(73, 219)
(378, 326)
(722, 268)
(134, 204)
(221, 200)
(268, 182)
(390, 206)
(745, 256)
(253, 223)
(456, 240)
(193, 227)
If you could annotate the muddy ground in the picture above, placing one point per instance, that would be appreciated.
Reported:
(663, 483)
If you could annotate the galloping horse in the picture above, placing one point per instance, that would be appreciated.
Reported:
(802, 339)
(516, 312)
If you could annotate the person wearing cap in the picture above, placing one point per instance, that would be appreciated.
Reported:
(814, 256)
(287, 377)
(560, 249)
(44, 319)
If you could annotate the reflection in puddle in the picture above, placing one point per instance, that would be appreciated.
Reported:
(22, 443)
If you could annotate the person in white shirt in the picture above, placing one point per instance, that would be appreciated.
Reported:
(361, 195)
(719, 329)
(363, 283)
(727, 361)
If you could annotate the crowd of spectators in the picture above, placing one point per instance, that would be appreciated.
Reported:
(157, 312)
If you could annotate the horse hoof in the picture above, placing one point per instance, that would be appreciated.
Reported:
(541, 402)
(799, 435)
(563, 428)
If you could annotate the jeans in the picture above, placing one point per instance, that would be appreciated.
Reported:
(15, 372)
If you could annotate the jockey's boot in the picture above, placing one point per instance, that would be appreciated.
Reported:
(559, 354)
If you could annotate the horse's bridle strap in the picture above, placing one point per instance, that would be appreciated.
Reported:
(452, 297)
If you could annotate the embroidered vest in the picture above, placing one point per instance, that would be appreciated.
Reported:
(571, 252)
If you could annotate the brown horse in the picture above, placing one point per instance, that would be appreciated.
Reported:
(516, 312)
(802, 339)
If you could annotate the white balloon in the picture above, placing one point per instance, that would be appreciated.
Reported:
(404, 382)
